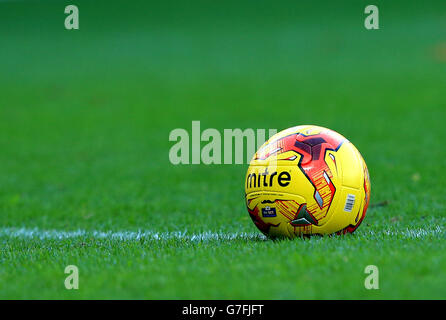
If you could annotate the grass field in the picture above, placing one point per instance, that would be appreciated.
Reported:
(85, 117)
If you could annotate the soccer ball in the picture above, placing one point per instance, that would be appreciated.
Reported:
(307, 180)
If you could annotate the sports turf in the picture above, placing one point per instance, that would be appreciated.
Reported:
(84, 123)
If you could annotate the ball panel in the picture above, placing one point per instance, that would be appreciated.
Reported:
(272, 211)
(350, 160)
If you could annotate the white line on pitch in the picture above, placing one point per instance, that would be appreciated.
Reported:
(35, 233)
(415, 233)
(29, 233)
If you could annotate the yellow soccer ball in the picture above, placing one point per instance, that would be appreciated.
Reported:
(307, 180)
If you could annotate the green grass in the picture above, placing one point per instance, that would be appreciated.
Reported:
(85, 117)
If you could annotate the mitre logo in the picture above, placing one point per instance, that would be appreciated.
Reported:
(267, 179)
